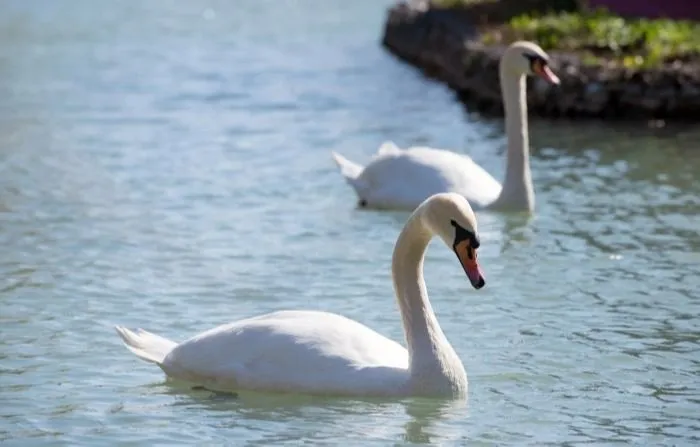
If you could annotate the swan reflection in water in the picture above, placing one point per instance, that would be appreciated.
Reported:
(411, 420)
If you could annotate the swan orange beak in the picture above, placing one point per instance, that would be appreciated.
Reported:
(467, 257)
(542, 70)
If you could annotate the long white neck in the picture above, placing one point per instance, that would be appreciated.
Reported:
(517, 193)
(434, 365)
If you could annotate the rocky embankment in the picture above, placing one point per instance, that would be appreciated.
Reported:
(444, 44)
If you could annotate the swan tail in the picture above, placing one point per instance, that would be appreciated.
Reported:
(349, 169)
(149, 347)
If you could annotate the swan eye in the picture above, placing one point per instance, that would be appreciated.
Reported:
(537, 62)
(462, 234)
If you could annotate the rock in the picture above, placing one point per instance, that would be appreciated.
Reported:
(443, 43)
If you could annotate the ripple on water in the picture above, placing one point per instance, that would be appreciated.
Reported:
(165, 168)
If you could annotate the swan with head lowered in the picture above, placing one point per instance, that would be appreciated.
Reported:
(402, 178)
(317, 352)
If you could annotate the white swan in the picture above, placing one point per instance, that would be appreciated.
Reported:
(323, 353)
(402, 178)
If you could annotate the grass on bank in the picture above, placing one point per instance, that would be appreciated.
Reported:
(596, 35)
(602, 36)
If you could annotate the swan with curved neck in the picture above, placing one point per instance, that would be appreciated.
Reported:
(402, 178)
(323, 353)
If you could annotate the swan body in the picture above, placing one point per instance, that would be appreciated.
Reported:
(289, 351)
(403, 178)
(323, 353)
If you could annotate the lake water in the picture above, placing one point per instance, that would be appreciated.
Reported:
(167, 165)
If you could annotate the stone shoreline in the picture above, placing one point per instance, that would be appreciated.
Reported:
(443, 44)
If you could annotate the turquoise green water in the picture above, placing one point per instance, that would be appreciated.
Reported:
(167, 166)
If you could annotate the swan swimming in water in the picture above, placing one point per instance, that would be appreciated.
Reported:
(317, 352)
(402, 178)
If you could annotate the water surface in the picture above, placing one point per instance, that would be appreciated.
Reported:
(166, 165)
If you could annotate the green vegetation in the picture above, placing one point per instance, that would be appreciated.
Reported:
(528, 5)
(459, 3)
(595, 35)
(602, 36)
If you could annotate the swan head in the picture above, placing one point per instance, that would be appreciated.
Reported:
(524, 58)
(450, 216)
